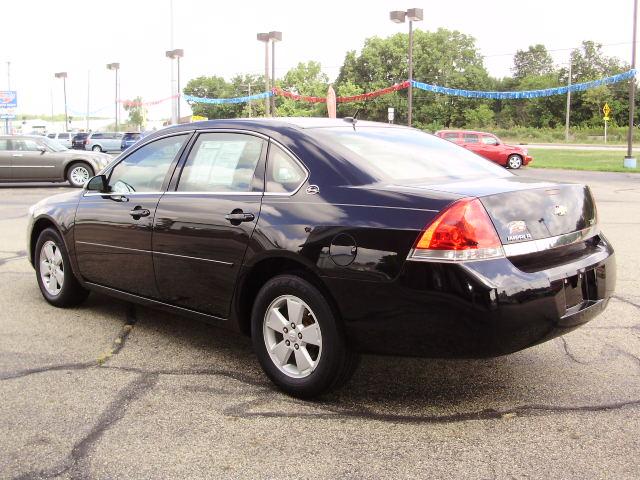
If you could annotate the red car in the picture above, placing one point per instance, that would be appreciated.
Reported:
(488, 146)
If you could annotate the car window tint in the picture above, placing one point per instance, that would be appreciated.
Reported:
(221, 162)
(470, 138)
(398, 154)
(488, 140)
(284, 174)
(25, 145)
(146, 168)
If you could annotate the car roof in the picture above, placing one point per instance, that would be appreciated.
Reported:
(453, 130)
(35, 137)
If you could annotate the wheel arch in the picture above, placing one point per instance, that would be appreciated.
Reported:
(74, 161)
(40, 225)
(260, 272)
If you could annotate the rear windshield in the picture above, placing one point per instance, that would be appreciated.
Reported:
(399, 154)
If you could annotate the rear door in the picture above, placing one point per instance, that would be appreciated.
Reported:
(204, 223)
(470, 141)
(112, 231)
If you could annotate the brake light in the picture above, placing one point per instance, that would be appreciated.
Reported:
(461, 232)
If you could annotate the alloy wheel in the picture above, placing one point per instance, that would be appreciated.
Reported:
(51, 268)
(79, 175)
(515, 162)
(292, 336)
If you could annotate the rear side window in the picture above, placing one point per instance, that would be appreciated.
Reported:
(470, 138)
(284, 174)
(221, 162)
(146, 168)
(63, 136)
(451, 136)
(400, 154)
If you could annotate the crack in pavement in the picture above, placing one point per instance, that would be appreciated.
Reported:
(624, 300)
(75, 463)
(565, 346)
(17, 256)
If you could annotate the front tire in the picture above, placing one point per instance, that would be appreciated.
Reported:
(96, 148)
(56, 280)
(297, 338)
(514, 161)
(79, 173)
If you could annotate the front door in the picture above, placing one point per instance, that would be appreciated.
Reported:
(5, 159)
(202, 226)
(32, 160)
(113, 230)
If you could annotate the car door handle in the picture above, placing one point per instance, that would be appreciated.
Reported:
(16, 155)
(239, 217)
(138, 212)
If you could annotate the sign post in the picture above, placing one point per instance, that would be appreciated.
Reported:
(8, 105)
(391, 114)
(606, 110)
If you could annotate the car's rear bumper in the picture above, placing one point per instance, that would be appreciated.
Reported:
(479, 309)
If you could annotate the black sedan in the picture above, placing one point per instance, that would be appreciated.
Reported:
(326, 238)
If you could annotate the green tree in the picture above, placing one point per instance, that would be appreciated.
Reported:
(137, 113)
(212, 87)
(303, 79)
(532, 62)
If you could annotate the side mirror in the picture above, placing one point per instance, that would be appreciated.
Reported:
(98, 184)
(42, 148)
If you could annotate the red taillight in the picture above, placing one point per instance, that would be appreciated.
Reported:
(461, 232)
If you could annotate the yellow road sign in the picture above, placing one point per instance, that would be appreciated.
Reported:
(606, 119)
(606, 110)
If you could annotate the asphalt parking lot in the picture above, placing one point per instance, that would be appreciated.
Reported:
(107, 390)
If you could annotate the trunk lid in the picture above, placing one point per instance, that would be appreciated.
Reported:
(524, 209)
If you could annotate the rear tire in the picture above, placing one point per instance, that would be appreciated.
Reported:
(514, 161)
(56, 280)
(79, 173)
(310, 358)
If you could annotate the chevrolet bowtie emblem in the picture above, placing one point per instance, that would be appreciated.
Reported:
(560, 210)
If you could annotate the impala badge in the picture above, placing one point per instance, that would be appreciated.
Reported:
(560, 210)
(313, 189)
(518, 231)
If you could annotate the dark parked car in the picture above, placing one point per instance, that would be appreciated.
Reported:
(79, 141)
(323, 238)
(34, 158)
(129, 139)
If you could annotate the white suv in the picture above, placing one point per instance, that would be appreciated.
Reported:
(64, 138)
(104, 142)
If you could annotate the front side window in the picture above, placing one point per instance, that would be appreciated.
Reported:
(488, 140)
(146, 168)
(25, 145)
(221, 162)
(284, 174)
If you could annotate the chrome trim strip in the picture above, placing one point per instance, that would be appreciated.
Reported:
(113, 246)
(154, 252)
(533, 246)
(443, 256)
(213, 193)
(193, 258)
(33, 166)
(114, 194)
(358, 205)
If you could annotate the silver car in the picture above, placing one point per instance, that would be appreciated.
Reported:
(33, 158)
(104, 142)
(63, 138)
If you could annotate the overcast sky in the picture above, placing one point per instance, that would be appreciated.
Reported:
(41, 37)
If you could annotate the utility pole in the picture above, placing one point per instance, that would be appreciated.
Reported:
(88, 97)
(629, 160)
(568, 112)
(248, 87)
(7, 125)
(264, 37)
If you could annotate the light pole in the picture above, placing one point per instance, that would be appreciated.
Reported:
(275, 37)
(568, 111)
(176, 54)
(264, 37)
(248, 87)
(399, 16)
(629, 160)
(63, 76)
(116, 67)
